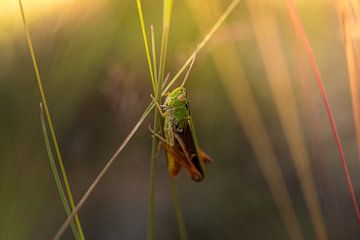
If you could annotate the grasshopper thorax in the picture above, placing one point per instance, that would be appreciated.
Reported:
(177, 107)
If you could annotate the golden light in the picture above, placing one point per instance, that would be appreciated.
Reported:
(44, 11)
(9, 9)
(50, 13)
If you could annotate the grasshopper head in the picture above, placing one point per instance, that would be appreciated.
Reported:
(177, 97)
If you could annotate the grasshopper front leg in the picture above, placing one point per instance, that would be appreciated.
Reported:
(162, 140)
(162, 113)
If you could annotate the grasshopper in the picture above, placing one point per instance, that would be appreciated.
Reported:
(179, 135)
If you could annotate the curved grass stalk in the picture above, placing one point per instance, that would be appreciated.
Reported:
(55, 172)
(51, 127)
(83, 199)
(299, 29)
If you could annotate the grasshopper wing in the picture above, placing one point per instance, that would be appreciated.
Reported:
(177, 158)
(194, 156)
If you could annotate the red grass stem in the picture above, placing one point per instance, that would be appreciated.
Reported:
(299, 28)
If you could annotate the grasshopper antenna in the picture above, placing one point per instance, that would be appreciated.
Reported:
(190, 67)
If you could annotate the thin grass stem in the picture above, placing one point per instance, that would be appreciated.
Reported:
(153, 177)
(102, 172)
(188, 72)
(207, 37)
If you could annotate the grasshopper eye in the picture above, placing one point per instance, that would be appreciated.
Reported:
(182, 97)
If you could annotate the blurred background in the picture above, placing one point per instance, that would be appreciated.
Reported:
(276, 172)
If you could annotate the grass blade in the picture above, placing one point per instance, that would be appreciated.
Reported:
(153, 49)
(164, 37)
(143, 30)
(55, 171)
(179, 217)
(157, 117)
(314, 125)
(51, 127)
(153, 171)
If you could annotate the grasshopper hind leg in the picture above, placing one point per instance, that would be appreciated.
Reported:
(204, 157)
(156, 134)
(174, 166)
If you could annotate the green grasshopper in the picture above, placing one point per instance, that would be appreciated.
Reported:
(179, 135)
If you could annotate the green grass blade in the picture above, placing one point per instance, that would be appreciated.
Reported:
(153, 49)
(179, 217)
(157, 117)
(143, 30)
(153, 171)
(51, 127)
(55, 172)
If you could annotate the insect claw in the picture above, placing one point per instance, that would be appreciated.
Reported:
(157, 134)
(157, 104)
(158, 149)
(151, 130)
